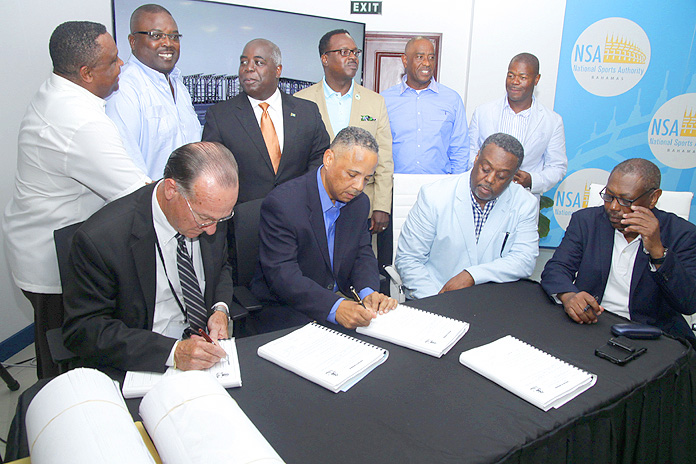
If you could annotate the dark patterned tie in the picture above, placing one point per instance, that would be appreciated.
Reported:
(193, 298)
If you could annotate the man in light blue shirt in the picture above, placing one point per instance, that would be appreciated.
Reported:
(428, 120)
(153, 109)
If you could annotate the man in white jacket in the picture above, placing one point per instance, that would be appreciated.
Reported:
(473, 228)
(519, 114)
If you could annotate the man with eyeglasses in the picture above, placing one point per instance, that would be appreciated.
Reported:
(637, 260)
(342, 103)
(150, 269)
(70, 162)
(153, 109)
(428, 120)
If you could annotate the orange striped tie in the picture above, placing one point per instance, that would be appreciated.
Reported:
(270, 137)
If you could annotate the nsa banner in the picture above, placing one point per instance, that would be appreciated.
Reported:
(626, 88)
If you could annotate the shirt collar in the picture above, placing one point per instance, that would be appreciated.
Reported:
(163, 229)
(274, 101)
(151, 73)
(329, 92)
(432, 86)
(523, 113)
(326, 203)
(63, 83)
(489, 204)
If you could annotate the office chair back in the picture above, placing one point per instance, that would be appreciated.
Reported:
(63, 241)
(246, 233)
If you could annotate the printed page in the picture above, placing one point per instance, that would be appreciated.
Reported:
(226, 371)
(416, 329)
(324, 356)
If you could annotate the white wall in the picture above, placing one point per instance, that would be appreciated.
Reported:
(501, 28)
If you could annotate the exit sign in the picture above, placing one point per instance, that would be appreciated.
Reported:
(360, 7)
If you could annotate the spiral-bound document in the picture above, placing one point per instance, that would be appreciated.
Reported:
(416, 329)
(326, 357)
(533, 375)
(226, 372)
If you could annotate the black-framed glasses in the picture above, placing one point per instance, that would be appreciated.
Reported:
(159, 35)
(345, 52)
(203, 225)
(622, 201)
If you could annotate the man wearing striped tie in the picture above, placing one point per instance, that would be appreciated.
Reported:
(150, 272)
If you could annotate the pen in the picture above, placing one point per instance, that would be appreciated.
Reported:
(507, 234)
(202, 333)
(587, 308)
(357, 297)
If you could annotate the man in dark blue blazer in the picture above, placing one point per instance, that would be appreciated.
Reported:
(639, 260)
(315, 243)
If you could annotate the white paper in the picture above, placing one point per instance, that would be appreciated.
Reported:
(416, 329)
(226, 371)
(528, 372)
(329, 358)
(192, 419)
(80, 417)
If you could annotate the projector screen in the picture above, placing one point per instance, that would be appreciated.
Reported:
(214, 35)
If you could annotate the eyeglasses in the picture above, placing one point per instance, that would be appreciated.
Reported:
(205, 224)
(622, 201)
(345, 52)
(157, 35)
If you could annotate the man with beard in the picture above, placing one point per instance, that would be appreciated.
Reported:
(473, 228)
(153, 109)
(640, 261)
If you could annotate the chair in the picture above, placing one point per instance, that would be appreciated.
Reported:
(678, 203)
(63, 241)
(246, 233)
(406, 188)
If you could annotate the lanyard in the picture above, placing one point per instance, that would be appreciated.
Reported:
(171, 287)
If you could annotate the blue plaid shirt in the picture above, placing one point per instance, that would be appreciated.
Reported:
(480, 215)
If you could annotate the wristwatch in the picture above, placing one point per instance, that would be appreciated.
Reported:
(656, 261)
(222, 309)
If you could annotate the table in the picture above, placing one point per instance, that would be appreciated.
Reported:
(418, 409)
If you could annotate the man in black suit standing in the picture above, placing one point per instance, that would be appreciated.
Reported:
(315, 247)
(275, 137)
(145, 272)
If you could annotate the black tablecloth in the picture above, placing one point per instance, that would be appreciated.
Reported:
(420, 409)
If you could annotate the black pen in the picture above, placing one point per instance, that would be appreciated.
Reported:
(507, 234)
(587, 308)
(357, 297)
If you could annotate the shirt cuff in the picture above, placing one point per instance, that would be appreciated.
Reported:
(556, 299)
(170, 359)
(222, 307)
(364, 292)
(332, 314)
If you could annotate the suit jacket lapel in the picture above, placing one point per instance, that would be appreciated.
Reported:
(316, 219)
(465, 217)
(290, 125)
(323, 110)
(606, 247)
(355, 107)
(245, 114)
(208, 268)
(143, 251)
(535, 118)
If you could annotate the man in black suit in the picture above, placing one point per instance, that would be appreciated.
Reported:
(127, 307)
(315, 243)
(295, 124)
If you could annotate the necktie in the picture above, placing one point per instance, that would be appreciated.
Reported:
(193, 298)
(270, 137)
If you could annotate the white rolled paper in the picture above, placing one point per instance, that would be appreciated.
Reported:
(192, 419)
(81, 417)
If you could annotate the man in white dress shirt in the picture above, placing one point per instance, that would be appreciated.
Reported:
(519, 114)
(70, 162)
(152, 108)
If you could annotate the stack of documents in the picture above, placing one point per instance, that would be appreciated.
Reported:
(416, 329)
(533, 375)
(226, 371)
(326, 357)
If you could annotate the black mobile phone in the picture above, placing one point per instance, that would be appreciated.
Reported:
(620, 350)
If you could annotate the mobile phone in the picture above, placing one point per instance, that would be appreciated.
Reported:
(619, 350)
(636, 331)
